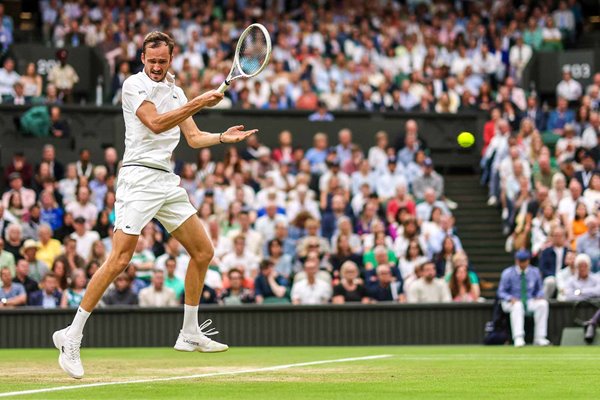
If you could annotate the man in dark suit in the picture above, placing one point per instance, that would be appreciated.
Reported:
(552, 260)
(535, 113)
(18, 98)
(589, 169)
(49, 296)
(56, 168)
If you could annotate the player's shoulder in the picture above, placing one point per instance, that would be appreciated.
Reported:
(135, 80)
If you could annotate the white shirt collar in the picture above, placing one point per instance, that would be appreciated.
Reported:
(169, 79)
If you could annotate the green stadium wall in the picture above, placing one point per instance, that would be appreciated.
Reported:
(276, 325)
(97, 127)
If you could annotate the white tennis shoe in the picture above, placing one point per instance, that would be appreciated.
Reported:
(69, 358)
(200, 341)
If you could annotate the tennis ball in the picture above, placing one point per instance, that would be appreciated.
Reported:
(465, 139)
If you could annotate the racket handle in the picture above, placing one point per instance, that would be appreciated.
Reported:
(224, 86)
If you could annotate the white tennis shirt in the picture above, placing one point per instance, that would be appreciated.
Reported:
(142, 146)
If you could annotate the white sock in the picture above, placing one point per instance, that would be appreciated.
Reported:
(190, 319)
(76, 328)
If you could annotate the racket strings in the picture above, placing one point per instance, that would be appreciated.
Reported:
(254, 52)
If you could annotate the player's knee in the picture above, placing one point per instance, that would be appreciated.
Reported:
(203, 256)
(119, 262)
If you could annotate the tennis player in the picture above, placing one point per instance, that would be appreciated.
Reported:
(155, 112)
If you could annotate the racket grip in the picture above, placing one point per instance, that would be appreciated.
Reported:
(224, 86)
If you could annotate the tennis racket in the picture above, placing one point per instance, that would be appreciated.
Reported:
(252, 55)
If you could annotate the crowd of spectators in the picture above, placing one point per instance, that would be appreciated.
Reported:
(542, 172)
(435, 56)
(332, 223)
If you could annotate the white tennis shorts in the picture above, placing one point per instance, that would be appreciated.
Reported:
(144, 193)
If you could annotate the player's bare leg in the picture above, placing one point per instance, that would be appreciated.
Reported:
(68, 340)
(193, 237)
(118, 259)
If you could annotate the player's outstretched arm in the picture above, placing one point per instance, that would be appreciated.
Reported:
(198, 139)
(159, 123)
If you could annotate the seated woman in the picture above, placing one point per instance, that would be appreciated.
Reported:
(592, 193)
(350, 288)
(282, 262)
(443, 259)
(410, 231)
(460, 286)
(343, 254)
(578, 226)
(368, 240)
(411, 259)
(541, 225)
(344, 227)
(460, 260)
(74, 294)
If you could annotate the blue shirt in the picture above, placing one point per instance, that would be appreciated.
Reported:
(16, 289)
(53, 217)
(262, 287)
(316, 158)
(407, 155)
(557, 120)
(590, 245)
(343, 153)
(510, 283)
(327, 117)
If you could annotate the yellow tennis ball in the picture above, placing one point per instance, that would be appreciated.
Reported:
(465, 139)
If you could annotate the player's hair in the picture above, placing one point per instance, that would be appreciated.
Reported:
(156, 39)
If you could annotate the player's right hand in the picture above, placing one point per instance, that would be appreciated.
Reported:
(210, 98)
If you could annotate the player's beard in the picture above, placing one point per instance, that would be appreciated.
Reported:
(157, 77)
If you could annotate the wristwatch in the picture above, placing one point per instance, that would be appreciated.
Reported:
(577, 292)
(4, 301)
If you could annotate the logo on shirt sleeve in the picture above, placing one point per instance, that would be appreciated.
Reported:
(142, 92)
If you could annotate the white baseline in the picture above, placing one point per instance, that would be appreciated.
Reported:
(208, 375)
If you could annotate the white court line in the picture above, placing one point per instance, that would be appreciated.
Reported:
(175, 378)
(551, 358)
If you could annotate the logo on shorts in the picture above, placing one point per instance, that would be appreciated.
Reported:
(127, 227)
(174, 96)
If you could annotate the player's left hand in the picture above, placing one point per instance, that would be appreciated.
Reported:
(236, 134)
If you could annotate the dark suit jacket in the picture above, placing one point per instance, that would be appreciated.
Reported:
(548, 261)
(579, 177)
(58, 170)
(8, 99)
(37, 298)
(540, 118)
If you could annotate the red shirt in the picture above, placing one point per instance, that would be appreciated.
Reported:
(307, 101)
(282, 154)
(394, 205)
(489, 129)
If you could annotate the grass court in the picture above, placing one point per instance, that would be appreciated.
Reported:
(432, 372)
